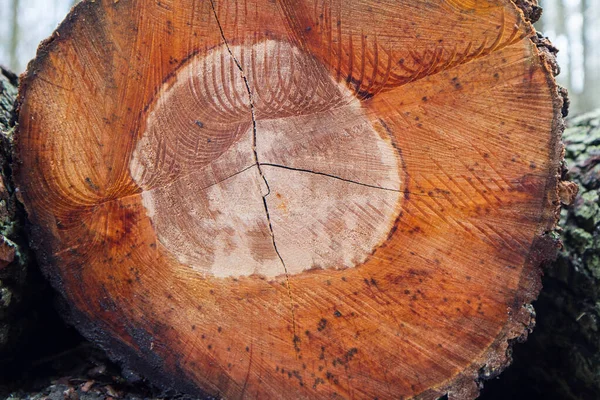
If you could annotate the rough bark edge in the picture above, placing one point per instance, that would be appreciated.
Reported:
(544, 249)
(12, 268)
(468, 383)
(531, 10)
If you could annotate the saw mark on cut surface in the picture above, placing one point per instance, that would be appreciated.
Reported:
(260, 171)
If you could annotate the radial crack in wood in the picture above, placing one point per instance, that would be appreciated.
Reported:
(264, 195)
(296, 199)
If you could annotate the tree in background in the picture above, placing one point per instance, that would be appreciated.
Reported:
(573, 26)
(14, 35)
(591, 36)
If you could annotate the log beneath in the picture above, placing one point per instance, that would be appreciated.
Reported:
(15, 285)
(296, 199)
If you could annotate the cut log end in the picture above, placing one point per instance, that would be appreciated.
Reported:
(296, 199)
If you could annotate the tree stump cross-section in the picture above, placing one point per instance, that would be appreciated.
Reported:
(295, 199)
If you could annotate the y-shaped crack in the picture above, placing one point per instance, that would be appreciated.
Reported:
(260, 171)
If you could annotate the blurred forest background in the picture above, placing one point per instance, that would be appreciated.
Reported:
(572, 25)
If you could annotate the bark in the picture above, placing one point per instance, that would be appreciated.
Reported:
(530, 8)
(14, 256)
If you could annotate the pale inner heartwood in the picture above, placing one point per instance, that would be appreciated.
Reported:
(254, 160)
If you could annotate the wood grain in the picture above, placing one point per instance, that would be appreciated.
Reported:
(295, 199)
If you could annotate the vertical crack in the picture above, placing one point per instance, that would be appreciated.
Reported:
(296, 339)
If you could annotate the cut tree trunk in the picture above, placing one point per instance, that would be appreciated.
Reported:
(257, 199)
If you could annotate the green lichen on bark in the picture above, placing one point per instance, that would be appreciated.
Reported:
(576, 274)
